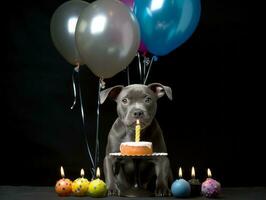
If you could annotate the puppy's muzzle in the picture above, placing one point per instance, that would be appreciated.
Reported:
(138, 114)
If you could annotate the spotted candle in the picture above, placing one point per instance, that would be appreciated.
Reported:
(63, 187)
(97, 187)
(210, 188)
(80, 185)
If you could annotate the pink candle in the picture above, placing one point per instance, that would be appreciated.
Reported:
(210, 188)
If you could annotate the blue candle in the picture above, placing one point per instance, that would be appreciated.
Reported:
(180, 187)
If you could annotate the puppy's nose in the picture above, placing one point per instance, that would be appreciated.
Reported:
(138, 113)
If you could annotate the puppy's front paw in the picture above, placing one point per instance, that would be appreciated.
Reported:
(113, 190)
(162, 190)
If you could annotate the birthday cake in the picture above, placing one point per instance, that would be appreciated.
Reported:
(136, 148)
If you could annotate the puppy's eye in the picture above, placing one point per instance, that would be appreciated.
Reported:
(124, 101)
(148, 100)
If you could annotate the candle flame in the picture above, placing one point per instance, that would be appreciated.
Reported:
(62, 172)
(82, 173)
(137, 122)
(180, 172)
(98, 174)
(209, 173)
(193, 172)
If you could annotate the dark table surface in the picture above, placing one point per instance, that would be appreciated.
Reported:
(47, 193)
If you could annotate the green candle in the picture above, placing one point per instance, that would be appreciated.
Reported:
(97, 187)
(194, 184)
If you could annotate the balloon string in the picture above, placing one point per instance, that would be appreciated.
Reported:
(84, 127)
(146, 62)
(128, 76)
(149, 69)
(101, 85)
(140, 68)
(76, 69)
(144, 66)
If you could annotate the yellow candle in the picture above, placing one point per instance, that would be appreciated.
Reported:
(137, 131)
(81, 185)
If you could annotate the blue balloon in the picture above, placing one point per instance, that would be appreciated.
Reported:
(166, 24)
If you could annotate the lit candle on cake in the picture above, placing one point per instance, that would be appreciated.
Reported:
(194, 184)
(180, 187)
(81, 185)
(137, 131)
(63, 187)
(97, 187)
(136, 148)
(210, 188)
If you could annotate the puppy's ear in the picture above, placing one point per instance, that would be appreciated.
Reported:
(112, 92)
(160, 90)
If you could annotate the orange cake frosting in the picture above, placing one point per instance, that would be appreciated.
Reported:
(136, 148)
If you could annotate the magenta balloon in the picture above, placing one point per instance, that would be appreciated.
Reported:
(142, 48)
(129, 3)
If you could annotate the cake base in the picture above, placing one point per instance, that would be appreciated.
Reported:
(136, 148)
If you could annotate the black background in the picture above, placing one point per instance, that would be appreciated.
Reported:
(211, 122)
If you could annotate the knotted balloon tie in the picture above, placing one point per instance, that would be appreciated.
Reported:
(75, 71)
(144, 70)
(149, 64)
(102, 83)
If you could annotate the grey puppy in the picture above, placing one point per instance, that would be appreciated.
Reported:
(137, 101)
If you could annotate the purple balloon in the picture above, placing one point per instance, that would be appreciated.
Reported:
(142, 48)
(129, 3)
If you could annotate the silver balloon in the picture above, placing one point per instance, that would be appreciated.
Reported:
(62, 28)
(107, 37)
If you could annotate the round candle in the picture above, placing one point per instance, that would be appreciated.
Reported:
(97, 187)
(210, 188)
(81, 185)
(180, 187)
(63, 187)
(195, 184)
